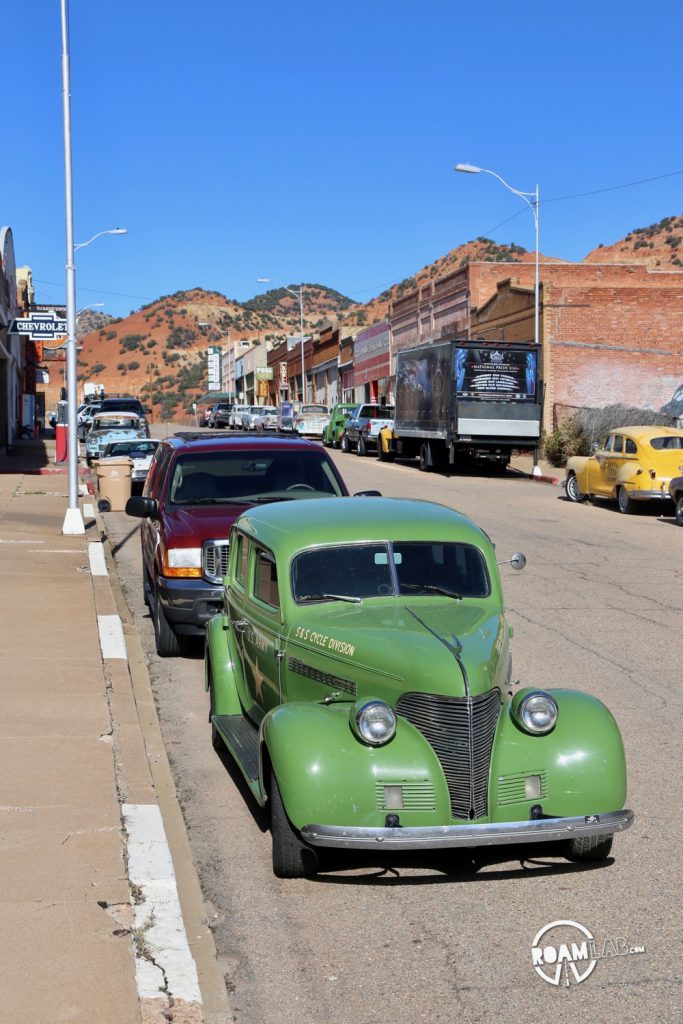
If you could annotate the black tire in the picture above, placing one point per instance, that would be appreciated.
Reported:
(345, 446)
(626, 505)
(146, 589)
(362, 448)
(382, 455)
(425, 466)
(167, 642)
(588, 848)
(292, 857)
(679, 510)
(571, 488)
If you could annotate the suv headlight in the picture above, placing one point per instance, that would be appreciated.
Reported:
(185, 562)
(535, 711)
(373, 721)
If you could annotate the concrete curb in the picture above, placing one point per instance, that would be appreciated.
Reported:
(176, 944)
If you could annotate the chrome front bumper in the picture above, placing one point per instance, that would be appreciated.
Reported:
(504, 833)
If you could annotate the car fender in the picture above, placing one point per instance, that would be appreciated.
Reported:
(224, 666)
(580, 764)
(326, 775)
(578, 464)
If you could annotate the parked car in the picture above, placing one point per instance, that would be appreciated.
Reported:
(108, 427)
(334, 431)
(250, 417)
(630, 464)
(363, 426)
(206, 415)
(195, 489)
(220, 414)
(311, 419)
(676, 492)
(86, 415)
(359, 674)
(140, 452)
(124, 403)
(235, 417)
(267, 418)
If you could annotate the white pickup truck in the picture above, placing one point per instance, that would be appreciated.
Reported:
(361, 433)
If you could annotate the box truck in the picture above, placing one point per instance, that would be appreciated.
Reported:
(461, 400)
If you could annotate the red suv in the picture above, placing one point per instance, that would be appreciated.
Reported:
(196, 488)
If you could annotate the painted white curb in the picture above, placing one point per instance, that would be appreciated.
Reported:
(88, 511)
(168, 966)
(112, 643)
(98, 566)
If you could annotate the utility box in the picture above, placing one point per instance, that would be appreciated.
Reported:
(114, 483)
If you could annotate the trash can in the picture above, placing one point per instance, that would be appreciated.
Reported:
(114, 483)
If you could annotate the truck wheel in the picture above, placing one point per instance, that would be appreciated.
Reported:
(571, 488)
(382, 455)
(345, 446)
(425, 461)
(292, 858)
(626, 505)
(167, 642)
(361, 449)
(679, 511)
(587, 848)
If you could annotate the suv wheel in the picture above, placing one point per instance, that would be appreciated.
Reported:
(167, 642)
(345, 446)
(362, 447)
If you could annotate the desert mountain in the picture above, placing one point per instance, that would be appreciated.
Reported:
(659, 245)
(159, 351)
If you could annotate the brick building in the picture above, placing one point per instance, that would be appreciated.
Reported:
(609, 332)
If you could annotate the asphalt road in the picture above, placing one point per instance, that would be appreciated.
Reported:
(447, 937)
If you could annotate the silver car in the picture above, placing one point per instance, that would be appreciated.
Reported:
(235, 420)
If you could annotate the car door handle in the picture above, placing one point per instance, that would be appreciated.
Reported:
(239, 625)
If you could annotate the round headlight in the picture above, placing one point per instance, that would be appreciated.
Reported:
(537, 712)
(373, 721)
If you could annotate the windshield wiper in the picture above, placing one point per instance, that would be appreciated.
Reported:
(332, 597)
(429, 588)
(214, 501)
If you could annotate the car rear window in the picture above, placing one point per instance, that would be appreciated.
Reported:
(251, 476)
(670, 442)
(374, 412)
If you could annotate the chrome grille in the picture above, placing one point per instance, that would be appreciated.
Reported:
(461, 731)
(215, 559)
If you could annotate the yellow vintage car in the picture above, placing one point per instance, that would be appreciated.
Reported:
(630, 464)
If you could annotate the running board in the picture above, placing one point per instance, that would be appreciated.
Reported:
(241, 738)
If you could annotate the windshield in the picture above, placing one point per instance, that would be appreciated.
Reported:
(672, 442)
(138, 450)
(406, 568)
(233, 477)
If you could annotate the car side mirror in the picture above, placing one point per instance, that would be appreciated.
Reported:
(367, 494)
(142, 507)
(518, 561)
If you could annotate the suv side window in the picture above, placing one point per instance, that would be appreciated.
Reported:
(265, 587)
(156, 472)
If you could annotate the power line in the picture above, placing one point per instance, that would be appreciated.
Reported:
(99, 291)
(610, 188)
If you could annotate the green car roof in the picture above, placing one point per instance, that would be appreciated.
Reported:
(290, 526)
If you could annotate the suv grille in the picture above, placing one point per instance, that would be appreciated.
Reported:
(461, 732)
(215, 559)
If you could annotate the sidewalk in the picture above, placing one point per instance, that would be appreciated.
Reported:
(91, 929)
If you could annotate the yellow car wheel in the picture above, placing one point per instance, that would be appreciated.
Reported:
(571, 488)
(625, 503)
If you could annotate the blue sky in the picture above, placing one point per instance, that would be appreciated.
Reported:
(315, 142)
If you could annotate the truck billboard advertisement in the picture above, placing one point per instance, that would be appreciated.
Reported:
(497, 374)
(423, 387)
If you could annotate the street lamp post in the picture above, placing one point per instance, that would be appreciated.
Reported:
(73, 520)
(531, 199)
(299, 293)
(109, 231)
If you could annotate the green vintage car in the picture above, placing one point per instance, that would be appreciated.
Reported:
(332, 433)
(360, 676)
